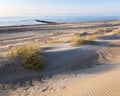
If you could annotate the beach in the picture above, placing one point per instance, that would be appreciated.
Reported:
(82, 70)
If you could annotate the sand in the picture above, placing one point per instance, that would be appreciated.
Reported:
(18, 35)
(85, 70)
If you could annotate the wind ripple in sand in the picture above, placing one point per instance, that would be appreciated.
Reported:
(101, 84)
(107, 84)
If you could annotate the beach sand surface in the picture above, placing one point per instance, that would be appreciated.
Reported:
(83, 70)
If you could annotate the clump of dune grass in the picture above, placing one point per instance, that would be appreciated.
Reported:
(84, 34)
(117, 31)
(102, 31)
(98, 31)
(50, 42)
(77, 41)
(66, 39)
(31, 57)
(83, 40)
(81, 34)
(76, 34)
(91, 37)
(108, 29)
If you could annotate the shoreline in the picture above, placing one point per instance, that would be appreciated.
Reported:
(57, 23)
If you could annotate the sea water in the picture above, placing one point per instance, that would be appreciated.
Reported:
(31, 20)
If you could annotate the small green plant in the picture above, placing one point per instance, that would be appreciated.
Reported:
(30, 56)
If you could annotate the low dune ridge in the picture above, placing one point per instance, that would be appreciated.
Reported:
(102, 80)
(68, 70)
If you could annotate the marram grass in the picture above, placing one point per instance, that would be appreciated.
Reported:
(30, 56)
(117, 31)
(83, 40)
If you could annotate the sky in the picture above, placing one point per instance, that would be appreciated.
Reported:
(60, 7)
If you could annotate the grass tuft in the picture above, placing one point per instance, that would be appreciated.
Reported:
(108, 29)
(76, 34)
(83, 40)
(102, 31)
(117, 31)
(84, 34)
(30, 56)
(51, 42)
(91, 37)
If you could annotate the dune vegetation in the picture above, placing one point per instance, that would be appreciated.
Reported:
(117, 31)
(50, 42)
(81, 34)
(102, 31)
(76, 34)
(83, 40)
(30, 55)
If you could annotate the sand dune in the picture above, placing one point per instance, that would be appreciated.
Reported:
(69, 71)
(98, 81)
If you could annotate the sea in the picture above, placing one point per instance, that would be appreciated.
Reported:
(31, 20)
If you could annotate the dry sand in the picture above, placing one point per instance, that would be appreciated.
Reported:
(85, 70)
(17, 35)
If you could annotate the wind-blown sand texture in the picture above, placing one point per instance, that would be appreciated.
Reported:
(85, 70)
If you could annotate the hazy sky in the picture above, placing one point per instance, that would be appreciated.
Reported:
(64, 7)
